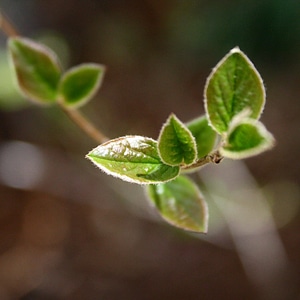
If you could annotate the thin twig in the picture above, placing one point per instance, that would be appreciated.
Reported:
(7, 26)
(214, 157)
(85, 125)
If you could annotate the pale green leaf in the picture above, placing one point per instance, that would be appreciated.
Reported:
(37, 69)
(80, 83)
(176, 144)
(204, 135)
(134, 159)
(233, 86)
(246, 139)
(180, 203)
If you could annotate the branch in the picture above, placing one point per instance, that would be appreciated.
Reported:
(85, 125)
(214, 157)
(7, 26)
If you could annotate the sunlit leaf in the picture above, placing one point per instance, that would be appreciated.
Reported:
(248, 138)
(204, 135)
(134, 159)
(180, 203)
(79, 84)
(233, 86)
(37, 69)
(176, 144)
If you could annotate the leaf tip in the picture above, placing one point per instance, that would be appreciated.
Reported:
(236, 49)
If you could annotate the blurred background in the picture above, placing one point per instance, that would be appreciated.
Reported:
(67, 231)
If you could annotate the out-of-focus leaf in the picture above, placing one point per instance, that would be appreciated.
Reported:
(10, 98)
(180, 203)
(37, 69)
(79, 84)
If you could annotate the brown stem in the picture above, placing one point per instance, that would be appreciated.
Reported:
(7, 26)
(85, 125)
(214, 157)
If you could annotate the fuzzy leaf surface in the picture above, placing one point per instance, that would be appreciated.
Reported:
(246, 139)
(180, 203)
(176, 144)
(134, 159)
(204, 135)
(37, 69)
(80, 83)
(233, 85)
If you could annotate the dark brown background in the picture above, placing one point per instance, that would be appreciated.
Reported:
(74, 233)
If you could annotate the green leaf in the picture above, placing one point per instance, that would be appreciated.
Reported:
(233, 86)
(79, 84)
(247, 138)
(37, 69)
(180, 203)
(134, 159)
(176, 144)
(204, 135)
